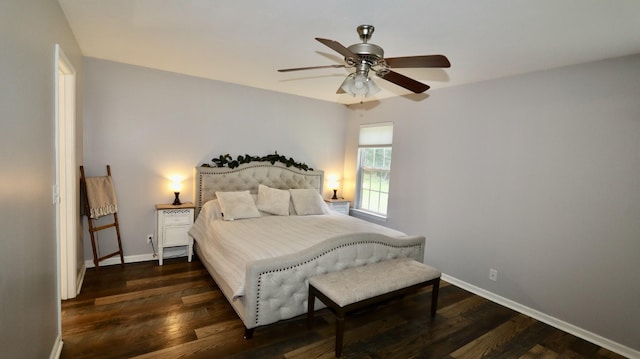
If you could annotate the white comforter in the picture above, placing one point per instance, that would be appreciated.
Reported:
(230, 245)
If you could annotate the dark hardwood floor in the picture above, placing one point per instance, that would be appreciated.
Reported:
(177, 311)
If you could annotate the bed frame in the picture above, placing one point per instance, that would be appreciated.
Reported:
(277, 289)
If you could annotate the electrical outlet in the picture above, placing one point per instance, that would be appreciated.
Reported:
(493, 275)
(149, 238)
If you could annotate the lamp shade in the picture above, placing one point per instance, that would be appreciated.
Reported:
(358, 84)
(176, 185)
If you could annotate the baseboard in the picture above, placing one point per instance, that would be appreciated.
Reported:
(80, 278)
(57, 348)
(545, 318)
(168, 253)
(116, 260)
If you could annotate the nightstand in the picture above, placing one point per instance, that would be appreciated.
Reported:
(173, 224)
(339, 205)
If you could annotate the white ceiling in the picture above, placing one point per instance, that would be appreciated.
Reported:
(246, 41)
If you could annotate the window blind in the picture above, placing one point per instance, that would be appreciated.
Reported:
(376, 135)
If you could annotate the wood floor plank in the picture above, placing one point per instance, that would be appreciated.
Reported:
(147, 293)
(184, 350)
(176, 311)
(607, 354)
(522, 342)
(149, 280)
(539, 352)
(201, 297)
(486, 343)
(218, 328)
(461, 307)
(323, 349)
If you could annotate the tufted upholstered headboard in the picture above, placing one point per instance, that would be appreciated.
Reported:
(248, 176)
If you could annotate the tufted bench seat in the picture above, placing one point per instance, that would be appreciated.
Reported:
(357, 287)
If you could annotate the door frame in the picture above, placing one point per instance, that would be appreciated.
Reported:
(66, 188)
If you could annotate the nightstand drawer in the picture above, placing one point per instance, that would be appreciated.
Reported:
(176, 219)
(176, 236)
(341, 206)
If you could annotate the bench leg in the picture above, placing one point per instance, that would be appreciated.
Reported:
(434, 297)
(311, 301)
(248, 333)
(339, 332)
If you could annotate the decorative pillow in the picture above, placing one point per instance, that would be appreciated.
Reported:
(292, 209)
(237, 205)
(272, 200)
(307, 202)
(211, 210)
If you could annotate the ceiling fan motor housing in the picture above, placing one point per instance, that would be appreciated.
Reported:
(370, 53)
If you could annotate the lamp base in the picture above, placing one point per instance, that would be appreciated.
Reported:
(176, 202)
(335, 196)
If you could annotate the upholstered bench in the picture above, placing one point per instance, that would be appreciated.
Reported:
(357, 287)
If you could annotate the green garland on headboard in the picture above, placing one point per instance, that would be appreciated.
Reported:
(227, 160)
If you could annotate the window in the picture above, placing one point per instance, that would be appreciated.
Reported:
(374, 168)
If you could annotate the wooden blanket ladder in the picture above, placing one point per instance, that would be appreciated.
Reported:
(85, 210)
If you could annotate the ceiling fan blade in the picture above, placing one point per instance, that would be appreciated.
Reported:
(338, 47)
(418, 61)
(404, 81)
(312, 68)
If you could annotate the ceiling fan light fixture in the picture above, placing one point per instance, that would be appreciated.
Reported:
(359, 85)
(373, 88)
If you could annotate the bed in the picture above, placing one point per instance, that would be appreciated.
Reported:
(262, 262)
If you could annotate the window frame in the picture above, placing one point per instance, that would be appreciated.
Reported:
(373, 136)
(361, 169)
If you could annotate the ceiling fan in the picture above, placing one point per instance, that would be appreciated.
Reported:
(366, 56)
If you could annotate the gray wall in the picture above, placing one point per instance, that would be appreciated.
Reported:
(150, 124)
(29, 30)
(537, 176)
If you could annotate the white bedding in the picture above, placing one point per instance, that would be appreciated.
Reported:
(229, 245)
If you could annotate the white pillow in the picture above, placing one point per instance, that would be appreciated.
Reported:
(211, 210)
(307, 202)
(237, 205)
(272, 200)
